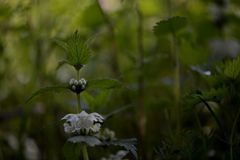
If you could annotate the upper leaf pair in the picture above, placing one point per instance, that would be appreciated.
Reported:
(78, 51)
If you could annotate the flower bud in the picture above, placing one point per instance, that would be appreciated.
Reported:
(71, 82)
(73, 87)
(75, 82)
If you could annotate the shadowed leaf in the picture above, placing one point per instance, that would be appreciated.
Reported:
(47, 89)
(171, 25)
(103, 84)
(128, 144)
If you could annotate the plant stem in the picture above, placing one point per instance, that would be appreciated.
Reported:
(114, 48)
(177, 82)
(78, 74)
(141, 96)
(232, 134)
(78, 95)
(85, 152)
(78, 103)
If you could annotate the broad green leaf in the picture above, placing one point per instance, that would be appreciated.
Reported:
(89, 99)
(47, 89)
(99, 100)
(103, 84)
(89, 140)
(78, 51)
(232, 68)
(171, 25)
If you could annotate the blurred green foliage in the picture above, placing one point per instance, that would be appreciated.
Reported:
(169, 74)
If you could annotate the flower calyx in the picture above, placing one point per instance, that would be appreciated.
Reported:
(77, 86)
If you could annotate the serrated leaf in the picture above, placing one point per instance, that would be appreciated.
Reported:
(212, 95)
(232, 68)
(47, 89)
(78, 51)
(89, 140)
(171, 25)
(128, 144)
(103, 84)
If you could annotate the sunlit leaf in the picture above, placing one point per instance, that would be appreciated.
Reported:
(171, 25)
(232, 68)
(89, 140)
(47, 89)
(103, 84)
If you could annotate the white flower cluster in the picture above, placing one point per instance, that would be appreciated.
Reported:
(106, 135)
(83, 123)
(77, 85)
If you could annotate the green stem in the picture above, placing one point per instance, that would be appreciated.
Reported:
(78, 103)
(85, 152)
(232, 134)
(78, 74)
(78, 95)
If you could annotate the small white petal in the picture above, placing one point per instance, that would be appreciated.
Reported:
(74, 87)
(71, 81)
(75, 82)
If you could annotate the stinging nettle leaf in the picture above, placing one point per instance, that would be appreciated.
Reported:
(171, 25)
(47, 89)
(78, 51)
(103, 84)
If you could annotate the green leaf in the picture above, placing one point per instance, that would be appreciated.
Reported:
(47, 89)
(103, 84)
(89, 140)
(128, 144)
(78, 51)
(99, 100)
(232, 68)
(171, 25)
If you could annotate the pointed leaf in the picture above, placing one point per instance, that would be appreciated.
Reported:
(171, 25)
(47, 89)
(103, 84)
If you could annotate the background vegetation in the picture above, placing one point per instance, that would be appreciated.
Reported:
(177, 59)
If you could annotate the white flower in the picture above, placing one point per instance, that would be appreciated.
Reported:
(71, 82)
(75, 82)
(77, 85)
(82, 123)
